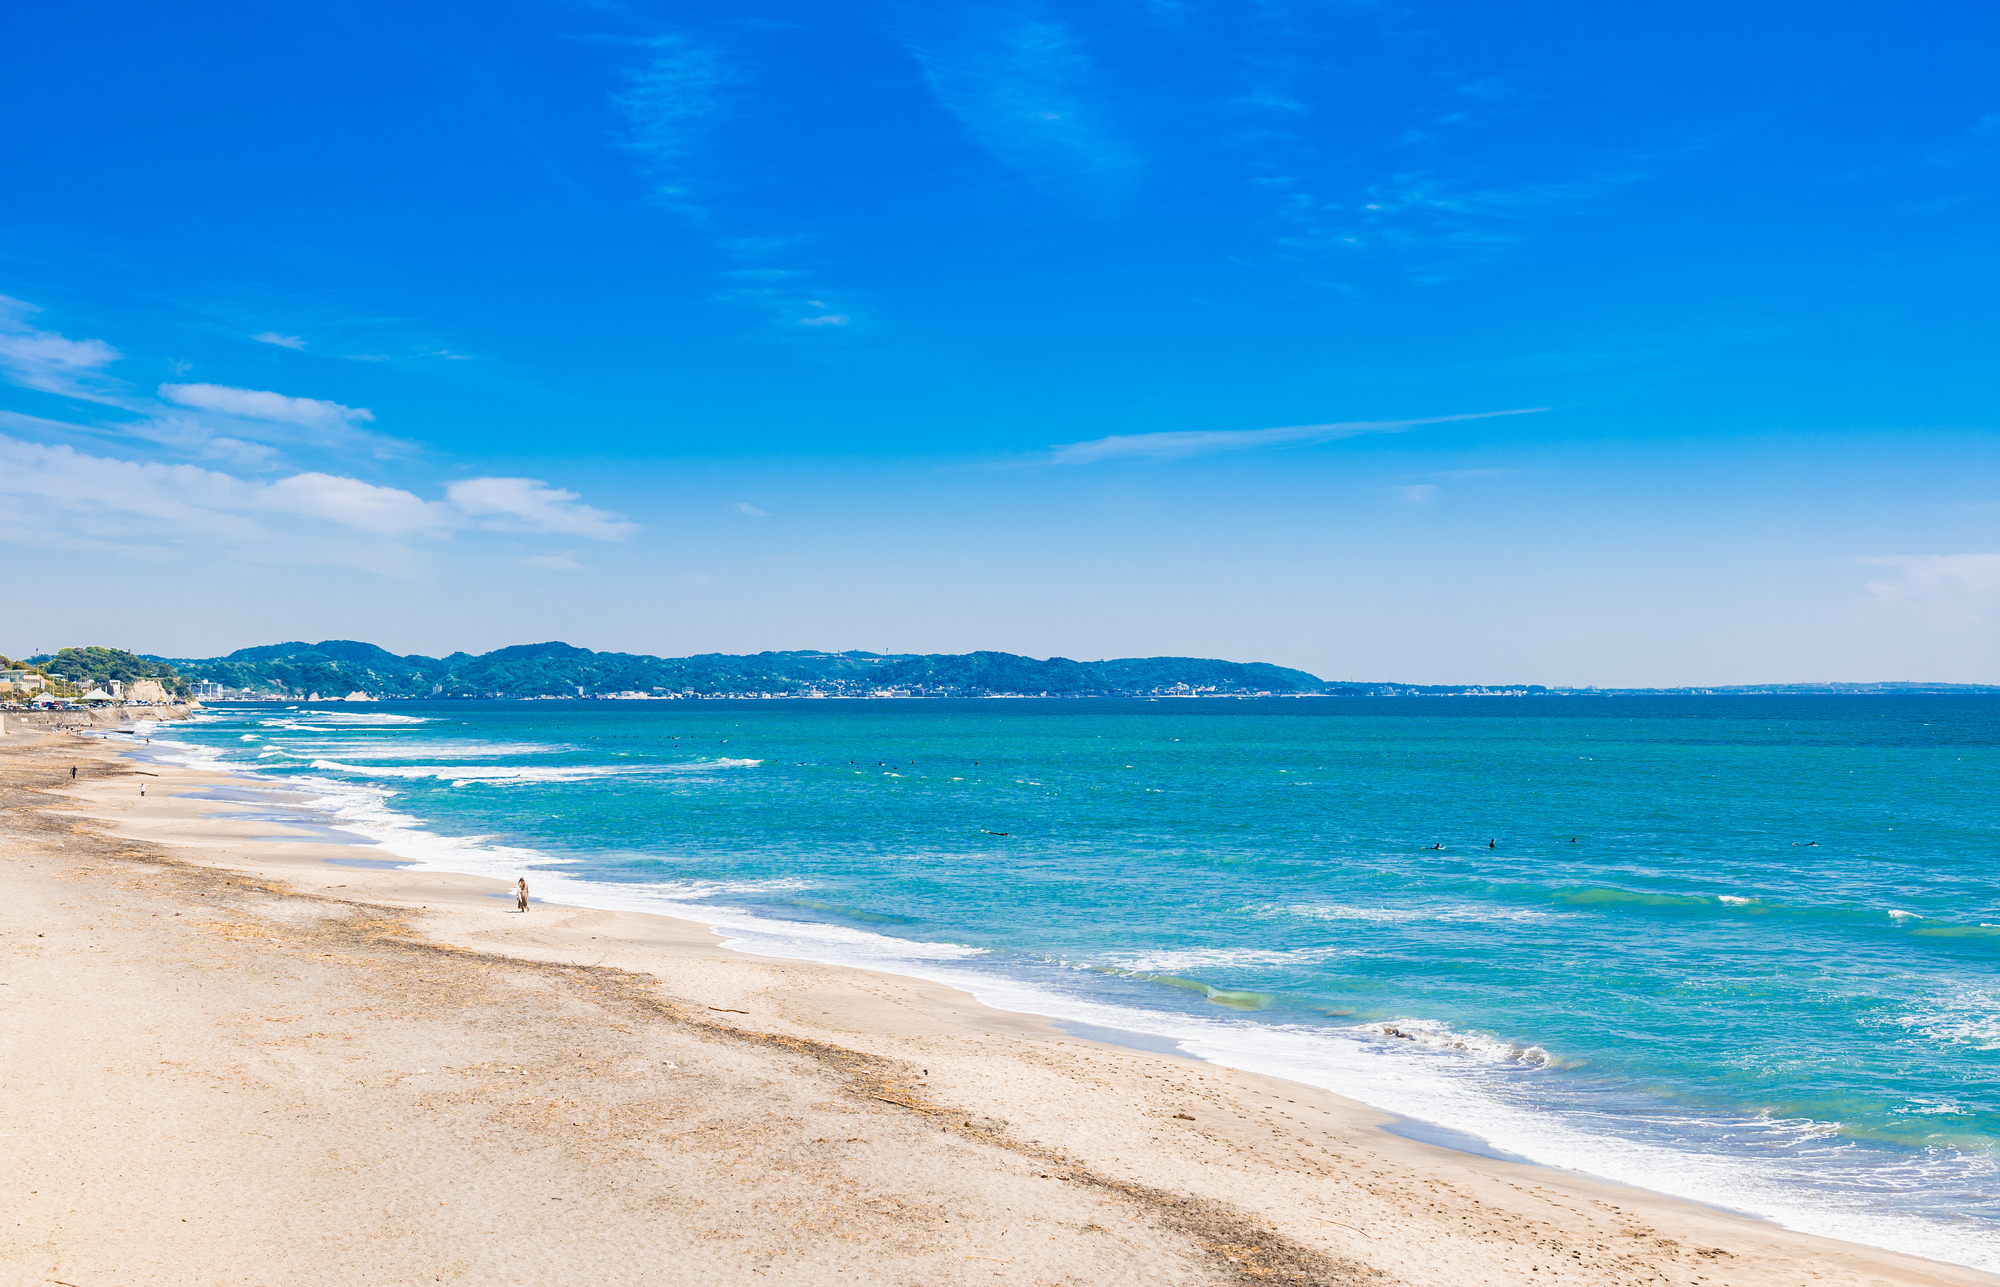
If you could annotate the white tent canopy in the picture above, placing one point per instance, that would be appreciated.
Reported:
(98, 695)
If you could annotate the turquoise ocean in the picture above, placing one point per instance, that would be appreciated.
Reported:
(1738, 949)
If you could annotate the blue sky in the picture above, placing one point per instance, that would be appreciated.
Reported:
(1562, 343)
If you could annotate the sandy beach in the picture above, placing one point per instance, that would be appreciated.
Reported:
(235, 1056)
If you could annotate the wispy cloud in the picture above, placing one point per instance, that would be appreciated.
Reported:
(531, 505)
(1973, 146)
(1021, 83)
(1934, 576)
(258, 404)
(1440, 223)
(671, 104)
(551, 562)
(192, 437)
(745, 507)
(781, 295)
(674, 104)
(45, 360)
(1419, 493)
(1198, 442)
(282, 341)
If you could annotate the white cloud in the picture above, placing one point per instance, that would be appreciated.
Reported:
(59, 498)
(1934, 576)
(257, 404)
(37, 359)
(383, 511)
(745, 507)
(830, 319)
(551, 562)
(1420, 494)
(194, 499)
(1176, 445)
(282, 341)
(531, 505)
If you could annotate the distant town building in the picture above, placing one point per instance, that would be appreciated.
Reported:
(206, 690)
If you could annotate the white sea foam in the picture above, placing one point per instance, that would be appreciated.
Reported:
(1399, 915)
(1175, 960)
(311, 719)
(400, 750)
(519, 775)
(1931, 1107)
(460, 774)
(1962, 1017)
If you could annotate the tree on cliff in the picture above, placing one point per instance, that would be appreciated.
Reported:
(93, 667)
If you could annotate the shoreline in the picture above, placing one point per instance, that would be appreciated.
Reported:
(1318, 1172)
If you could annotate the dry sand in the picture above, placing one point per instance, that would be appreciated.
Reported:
(228, 1060)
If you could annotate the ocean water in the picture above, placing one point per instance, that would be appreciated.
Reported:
(1737, 949)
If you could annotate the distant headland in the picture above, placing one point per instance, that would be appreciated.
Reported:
(344, 668)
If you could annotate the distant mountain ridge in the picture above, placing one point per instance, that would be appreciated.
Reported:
(335, 667)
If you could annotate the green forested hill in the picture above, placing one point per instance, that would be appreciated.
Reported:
(92, 667)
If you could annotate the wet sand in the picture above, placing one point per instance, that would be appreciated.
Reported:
(234, 1059)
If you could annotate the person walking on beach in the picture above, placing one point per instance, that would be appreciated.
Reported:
(521, 894)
